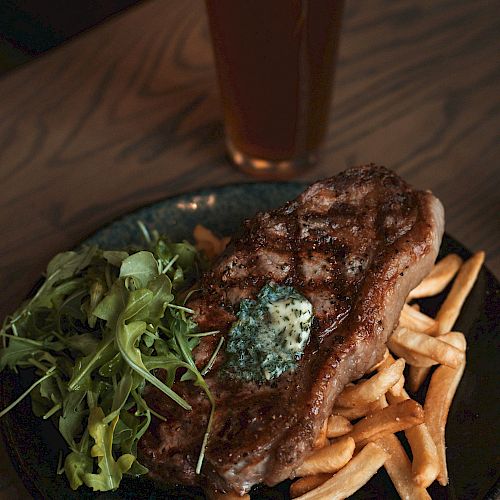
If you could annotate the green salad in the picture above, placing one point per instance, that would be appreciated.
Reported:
(95, 332)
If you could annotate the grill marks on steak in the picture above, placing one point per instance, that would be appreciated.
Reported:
(354, 245)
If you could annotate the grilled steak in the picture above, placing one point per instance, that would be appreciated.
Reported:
(354, 245)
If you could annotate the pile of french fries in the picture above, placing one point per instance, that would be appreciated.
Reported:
(359, 437)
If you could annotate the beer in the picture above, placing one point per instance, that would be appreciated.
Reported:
(275, 61)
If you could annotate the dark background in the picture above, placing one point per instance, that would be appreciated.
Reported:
(30, 27)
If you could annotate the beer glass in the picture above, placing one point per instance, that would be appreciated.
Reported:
(275, 62)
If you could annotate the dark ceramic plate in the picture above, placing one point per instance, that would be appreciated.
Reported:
(472, 432)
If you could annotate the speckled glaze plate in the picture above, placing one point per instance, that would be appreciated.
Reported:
(472, 432)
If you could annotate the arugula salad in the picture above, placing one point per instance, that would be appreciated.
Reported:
(95, 332)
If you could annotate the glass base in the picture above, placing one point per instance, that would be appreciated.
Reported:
(271, 169)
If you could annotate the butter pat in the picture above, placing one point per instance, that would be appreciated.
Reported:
(291, 319)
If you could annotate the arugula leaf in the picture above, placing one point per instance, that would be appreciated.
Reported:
(20, 348)
(126, 337)
(110, 471)
(84, 367)
(86, 343)
(115, 257)
(141, 266)
(62, 266)
(120, 396)
(67, 264)
(73, 414)
(113, 303)
(76, 466)
(161, 286)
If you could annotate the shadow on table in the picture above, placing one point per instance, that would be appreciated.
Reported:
(30, 27)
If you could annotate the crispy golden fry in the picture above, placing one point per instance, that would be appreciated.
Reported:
(412, 358)
(207, 241)
(466, 277)
(359, 411)
(398, 387)
(399, 469)
(372, 389)
(337, 426)
(397, 398)
(437, 280)
(376, 366)
(328, 459)
(352, 477)
(417, 321)
(419, 365)
(416, 377)
(425, 345)
(393, 418)
(322, 439)
(425, 465)
(305, 484)
(442, 388)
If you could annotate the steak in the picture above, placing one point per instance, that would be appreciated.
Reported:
(354, 245)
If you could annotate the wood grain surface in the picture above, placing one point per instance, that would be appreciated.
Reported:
(128, 113)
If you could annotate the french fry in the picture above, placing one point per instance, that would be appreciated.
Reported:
(419, 365)
(412, 358)
(351, 477)
(308, 483)
(393, 418)
(359, 411)
(437, 280)
(397, 398)
(398, 387)
(322, 439)
(425, 345)
(451, 307)
(450, 338)
(376, 366)
(328, 459)
(337, 426)
(416, 377)
(425, 465)
(417, 321)
(388, 361)
(372, 389)
(442, 388)
(399, 468)
(207, 241)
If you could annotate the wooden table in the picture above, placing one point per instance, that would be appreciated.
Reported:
(128, 113)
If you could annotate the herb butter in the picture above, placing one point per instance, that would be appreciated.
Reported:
(270, 334)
